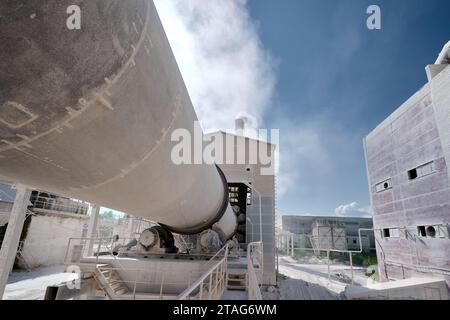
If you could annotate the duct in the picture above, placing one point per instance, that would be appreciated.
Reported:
(444, 56)
(89, 113)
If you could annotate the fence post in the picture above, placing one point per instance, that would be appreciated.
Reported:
(328, 262)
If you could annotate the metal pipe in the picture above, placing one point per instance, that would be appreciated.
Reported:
(89, 113)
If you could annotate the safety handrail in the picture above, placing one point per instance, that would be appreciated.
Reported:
(216, 273)
(133, 284)
(101, 241)
(255, 275)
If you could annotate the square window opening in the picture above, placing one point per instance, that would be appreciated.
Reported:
(412, 174)
(421, 230)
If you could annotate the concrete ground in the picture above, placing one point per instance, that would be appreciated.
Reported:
(32, 285)
(300, 281)
(234, 295)
(297, 281)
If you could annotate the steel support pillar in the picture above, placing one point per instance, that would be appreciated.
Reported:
(92, 229)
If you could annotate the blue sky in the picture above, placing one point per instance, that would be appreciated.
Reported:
(336, 80)
(312, 69)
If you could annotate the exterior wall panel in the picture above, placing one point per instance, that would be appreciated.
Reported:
(414, 135)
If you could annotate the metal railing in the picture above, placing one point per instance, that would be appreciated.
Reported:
(77, 248)
(47, 201)
(137, 288)
(328, 250)
(210, 276)
(211, 285)
(254, 270)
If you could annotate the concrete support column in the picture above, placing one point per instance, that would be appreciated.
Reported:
(12, 237)
(92, 229)
(131, 227)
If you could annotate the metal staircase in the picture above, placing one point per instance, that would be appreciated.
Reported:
(109, 280)
(115, 288)
(237, 275)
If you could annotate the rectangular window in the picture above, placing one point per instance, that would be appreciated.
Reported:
(412, 174)
(391, 233)
(421, 171)
(382, 186)
(421, 231)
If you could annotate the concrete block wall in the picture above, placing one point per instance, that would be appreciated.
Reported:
(303, 225)
(47, 238)
(415, 134)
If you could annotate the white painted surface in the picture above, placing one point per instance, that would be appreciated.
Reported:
(307, 282)
(407, 289)
(47, 238)
(32, 285)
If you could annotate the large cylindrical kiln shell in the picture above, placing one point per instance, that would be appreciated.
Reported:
(89, 113)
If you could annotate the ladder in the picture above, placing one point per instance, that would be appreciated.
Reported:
(109, 280)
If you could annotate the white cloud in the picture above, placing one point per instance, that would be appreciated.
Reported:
(353, 209)
(304, 157)
(226, 69)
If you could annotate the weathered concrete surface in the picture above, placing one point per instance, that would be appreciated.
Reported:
(308, 282)
(407, 289)
(47, 237)
(89, 113)
(415, 134)
(32, 285)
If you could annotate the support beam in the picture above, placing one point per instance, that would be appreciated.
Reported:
(92, 229)
(12, 237)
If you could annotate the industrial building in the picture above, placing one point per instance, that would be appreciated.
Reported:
(340, 233)
(407, 158)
